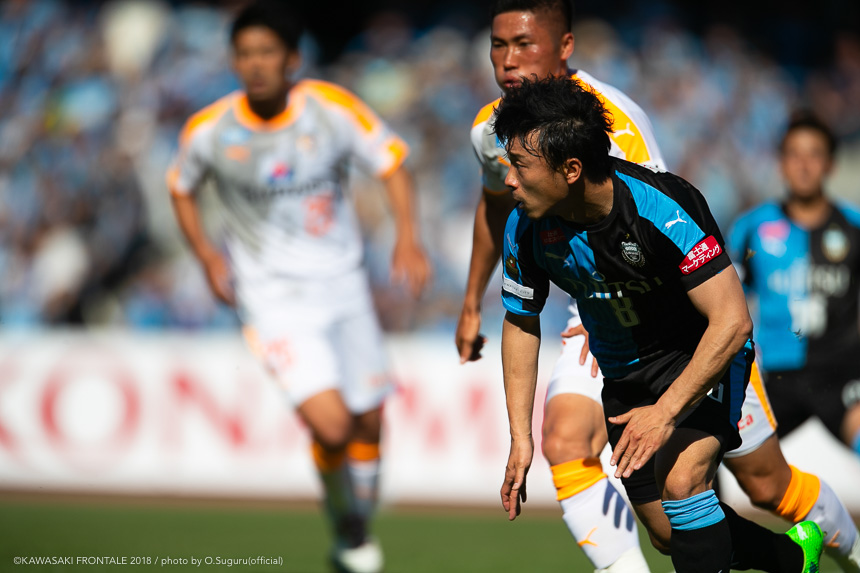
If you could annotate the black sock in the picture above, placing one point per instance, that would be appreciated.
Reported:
(756, 547)
(704, 550)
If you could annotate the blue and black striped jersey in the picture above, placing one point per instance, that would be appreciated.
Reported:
(629, 273)
(807, 283)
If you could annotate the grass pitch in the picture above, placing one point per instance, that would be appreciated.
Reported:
(147, 533)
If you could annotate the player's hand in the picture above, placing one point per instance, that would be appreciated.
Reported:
(468, 338)
(514, 487)
(577, 330)
(410, 265)
(648, 429)
(219, 277)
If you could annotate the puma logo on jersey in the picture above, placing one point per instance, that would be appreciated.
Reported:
(678, 220)
(625, 131)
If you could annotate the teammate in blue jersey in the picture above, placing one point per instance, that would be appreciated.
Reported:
(666, 316)
(801, 262)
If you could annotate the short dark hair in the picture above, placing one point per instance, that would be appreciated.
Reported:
(564, 8)
(806, 119)
(568, 119)
(271, 14)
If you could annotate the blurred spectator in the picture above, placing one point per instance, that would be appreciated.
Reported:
(92, 97)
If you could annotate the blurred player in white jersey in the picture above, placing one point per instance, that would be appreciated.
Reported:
(278, 153)
(533, 38)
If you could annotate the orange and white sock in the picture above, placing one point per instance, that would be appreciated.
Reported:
(597, 516)
(810, 498)
(363, 463)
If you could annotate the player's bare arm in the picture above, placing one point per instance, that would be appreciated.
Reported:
(520, 349)
(215, 266)
(490, 217)
(720, 299)
(409, 263)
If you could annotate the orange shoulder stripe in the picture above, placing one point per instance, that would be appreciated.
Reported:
(485, 112)
(337, 95)
(208, 114)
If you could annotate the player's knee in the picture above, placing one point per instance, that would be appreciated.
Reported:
(681, 486)
(334, 436)
(559, 446)
(762, 492)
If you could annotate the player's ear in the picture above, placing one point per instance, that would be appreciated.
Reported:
(572, 170)
(567, 42)
(294, 61)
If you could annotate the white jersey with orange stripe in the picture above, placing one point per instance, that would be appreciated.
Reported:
(632, 137)
(283, 180)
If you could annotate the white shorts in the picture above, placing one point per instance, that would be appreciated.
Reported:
(757, 422)
(322, 335)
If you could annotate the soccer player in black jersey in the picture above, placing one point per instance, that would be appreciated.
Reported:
(665, 312)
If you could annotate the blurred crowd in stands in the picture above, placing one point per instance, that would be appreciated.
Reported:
(92, 99)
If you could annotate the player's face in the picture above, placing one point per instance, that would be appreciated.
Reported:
(261, 61)
(533, 183)
(805, 162)
(526, 44)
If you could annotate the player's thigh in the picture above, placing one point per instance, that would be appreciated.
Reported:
(763, 474)
(654, 519)
(296, 347)
(363, 361)
(758, 422)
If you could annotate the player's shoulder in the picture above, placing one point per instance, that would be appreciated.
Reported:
(486, 113)
(205, 118)
(334, 96)
(763, 213)
(850, 211)
(606, 92)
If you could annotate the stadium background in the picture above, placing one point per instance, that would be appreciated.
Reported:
(121, 379)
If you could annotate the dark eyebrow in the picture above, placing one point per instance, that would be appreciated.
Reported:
(494, 38)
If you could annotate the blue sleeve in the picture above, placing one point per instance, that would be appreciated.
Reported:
(525, 285)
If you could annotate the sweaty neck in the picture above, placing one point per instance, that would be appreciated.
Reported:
(808, 212)
(589, 203)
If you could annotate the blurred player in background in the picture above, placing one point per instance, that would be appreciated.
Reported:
(278, 153)
(800, 260)
(666, 315)
(533, 37)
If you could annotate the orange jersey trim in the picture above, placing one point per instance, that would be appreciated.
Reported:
(246, 116)
(486, 112)
(625, 133)
(332, 93)
(399, 150)
(755, 380)
(208, 114)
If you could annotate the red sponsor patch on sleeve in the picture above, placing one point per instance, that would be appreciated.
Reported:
(699, 255)
(551, 236)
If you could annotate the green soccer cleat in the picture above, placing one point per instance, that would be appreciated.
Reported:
(809, 536)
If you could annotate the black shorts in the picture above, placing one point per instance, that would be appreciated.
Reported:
(717, 414)
(797, 395)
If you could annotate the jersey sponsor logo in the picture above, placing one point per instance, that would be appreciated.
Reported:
(552, 236)
(280, 173)
(625, 131)
(517, 289)
(669, 224)
(834, 244)
(632, 253)
(773, 235)
(707, 250)
(746, 422)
